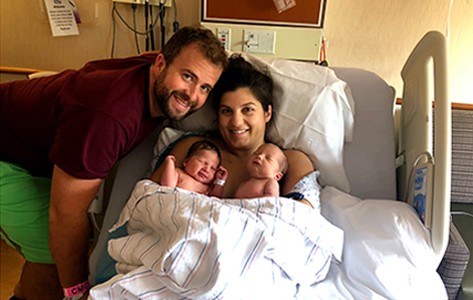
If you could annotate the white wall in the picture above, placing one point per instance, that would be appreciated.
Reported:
(370, 34)
(379, 35)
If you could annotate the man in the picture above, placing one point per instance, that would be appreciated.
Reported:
(61, 135)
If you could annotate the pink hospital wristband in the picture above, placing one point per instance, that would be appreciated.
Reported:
(77, 289)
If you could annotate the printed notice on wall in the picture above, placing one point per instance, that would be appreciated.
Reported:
(282, 5)
(63, 17)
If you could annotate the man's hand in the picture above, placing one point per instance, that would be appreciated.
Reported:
(69, 225)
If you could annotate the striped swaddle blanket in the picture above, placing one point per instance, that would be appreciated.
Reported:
(183, 245)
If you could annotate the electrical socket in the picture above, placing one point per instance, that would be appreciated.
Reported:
(167, 3)
(259, 41)
(224, 35)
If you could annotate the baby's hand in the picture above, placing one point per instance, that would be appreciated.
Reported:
(221, 173)
(171, 158)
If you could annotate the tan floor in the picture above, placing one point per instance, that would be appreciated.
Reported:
(10, 268)
(11, 263)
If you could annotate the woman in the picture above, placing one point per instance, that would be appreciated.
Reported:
(243, 99)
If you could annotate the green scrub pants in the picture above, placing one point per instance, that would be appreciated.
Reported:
(24, 212)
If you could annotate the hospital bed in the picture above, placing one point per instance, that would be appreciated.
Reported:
(365, 173)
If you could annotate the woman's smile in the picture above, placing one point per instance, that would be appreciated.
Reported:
(239, 131)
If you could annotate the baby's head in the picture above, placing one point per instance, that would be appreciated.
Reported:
(202, 161)
(268, 161)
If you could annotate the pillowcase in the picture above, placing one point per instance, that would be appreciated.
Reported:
(313, 113)
(387, 251)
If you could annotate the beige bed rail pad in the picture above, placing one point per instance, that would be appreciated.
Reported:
(17, 70)
(455, 105)
(425, 77)
(28, 72)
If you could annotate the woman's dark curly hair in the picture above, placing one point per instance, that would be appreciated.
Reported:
(240, 74)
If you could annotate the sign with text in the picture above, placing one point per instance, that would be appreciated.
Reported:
(62, 17)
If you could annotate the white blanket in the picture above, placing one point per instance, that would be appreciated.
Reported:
(387, 252)
(186, 245)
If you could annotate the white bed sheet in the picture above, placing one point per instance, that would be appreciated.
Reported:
(183, 245)
(387, 252)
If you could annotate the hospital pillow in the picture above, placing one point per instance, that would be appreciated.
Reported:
(313, 112)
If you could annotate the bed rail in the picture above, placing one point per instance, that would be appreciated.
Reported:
(27, 72)
(18, 71)
(425, 77)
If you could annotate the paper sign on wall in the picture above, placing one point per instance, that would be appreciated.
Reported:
(62, 17)
(282, 5)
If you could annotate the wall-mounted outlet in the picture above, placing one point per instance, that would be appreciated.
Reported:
(287, 42)
(167, 3)
(224, 35)
(259, 41)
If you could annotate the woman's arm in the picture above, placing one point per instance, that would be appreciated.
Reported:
(299, 166)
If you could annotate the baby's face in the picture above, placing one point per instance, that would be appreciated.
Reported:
(265, 162)
(202, 166)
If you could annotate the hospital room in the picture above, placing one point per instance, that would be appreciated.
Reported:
(367, 106)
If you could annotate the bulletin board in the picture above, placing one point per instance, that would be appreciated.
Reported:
(306, 13)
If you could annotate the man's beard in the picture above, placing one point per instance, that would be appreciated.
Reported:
(162, 97)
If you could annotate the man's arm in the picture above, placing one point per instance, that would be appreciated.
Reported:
(69, 225)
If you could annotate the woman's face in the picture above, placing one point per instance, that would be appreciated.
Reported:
(242, 120)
